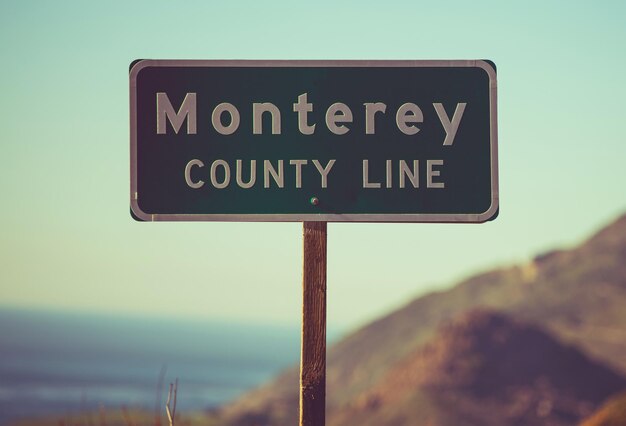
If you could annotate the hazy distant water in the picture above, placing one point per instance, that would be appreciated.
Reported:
(58, 363)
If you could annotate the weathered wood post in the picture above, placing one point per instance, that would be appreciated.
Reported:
(313, 355)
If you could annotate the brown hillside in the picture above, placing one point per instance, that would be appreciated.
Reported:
(486, 369)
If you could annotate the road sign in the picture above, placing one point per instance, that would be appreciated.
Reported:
(370, 141)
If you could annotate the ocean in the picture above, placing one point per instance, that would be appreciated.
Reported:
(60, 363)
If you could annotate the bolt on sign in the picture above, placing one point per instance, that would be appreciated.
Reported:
(365, 141)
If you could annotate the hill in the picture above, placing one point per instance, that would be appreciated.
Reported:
(577, 295)
(485, 369)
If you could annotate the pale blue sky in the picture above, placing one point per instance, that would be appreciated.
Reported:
(68, 241)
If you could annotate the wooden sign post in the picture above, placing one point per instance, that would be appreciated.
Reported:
(313, 356)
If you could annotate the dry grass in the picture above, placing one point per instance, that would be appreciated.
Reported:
(170, 405)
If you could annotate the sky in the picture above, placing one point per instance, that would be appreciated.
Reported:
(68, 242)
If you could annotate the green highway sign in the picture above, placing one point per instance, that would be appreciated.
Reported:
(364, 141)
